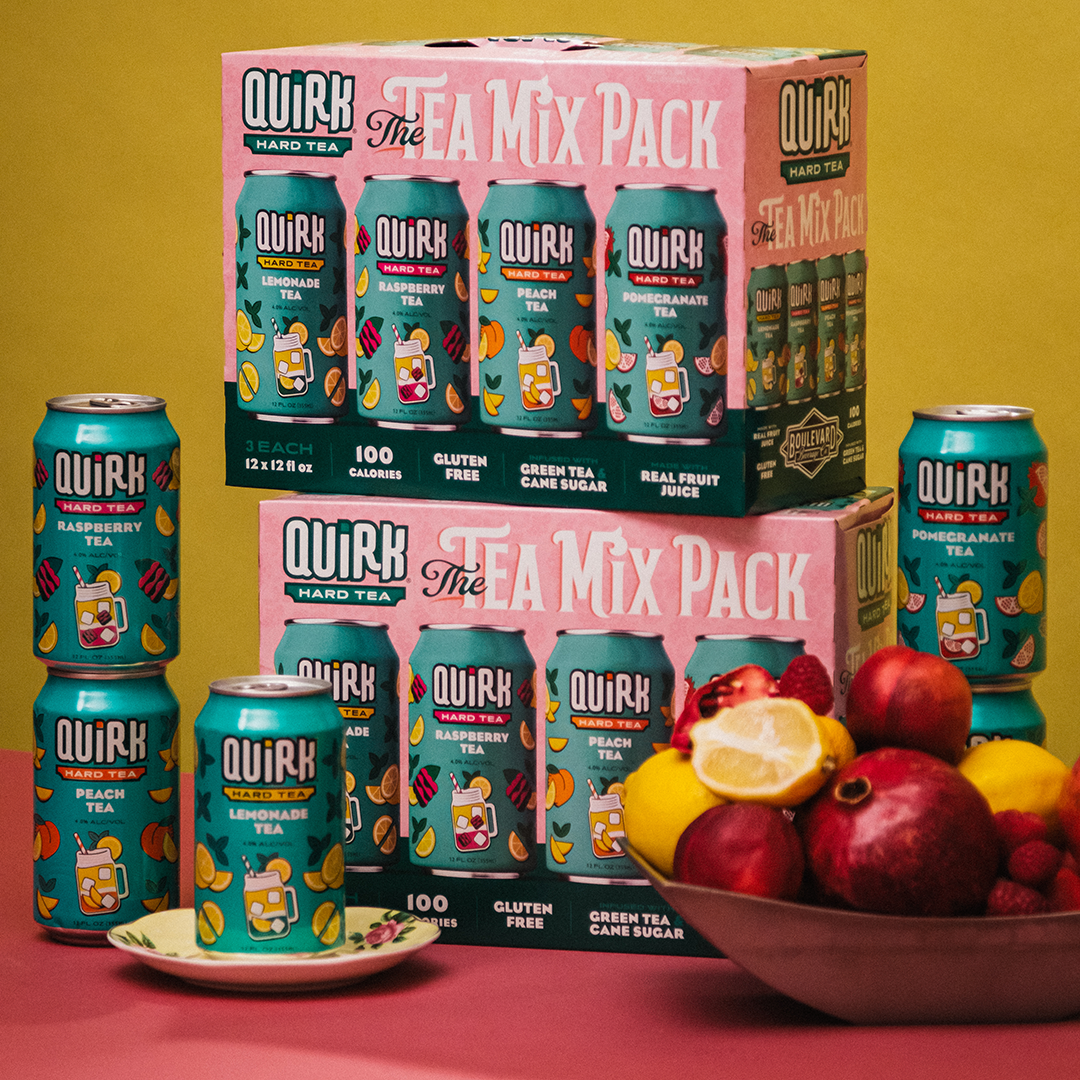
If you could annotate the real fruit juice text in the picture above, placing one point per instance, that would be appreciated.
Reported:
(537, 347)
(106, 532)
(472, 752)
(269, 817)
(292, 341)
(973, 540)
(106, 800)
(411, 253)
(359, 662)
(665, 342)
(609, 697)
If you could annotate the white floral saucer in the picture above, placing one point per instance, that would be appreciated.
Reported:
(375, 939)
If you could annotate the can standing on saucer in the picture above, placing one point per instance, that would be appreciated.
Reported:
(472, 752)
(665, 345)
(106, 800)
(106, 532)
(412, 303)
(292, 340)
(609, 707)
(360, 663)
(269, 824)
(972, 539)
(537, 313)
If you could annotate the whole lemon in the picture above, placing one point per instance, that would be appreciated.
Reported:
(661, 798)
(1017, 775)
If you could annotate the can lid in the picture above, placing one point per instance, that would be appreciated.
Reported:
(105, 403)
(968, 413)
(1017, 684)
(536, 183)
(699, 189)
(611, 633)
(482, 628)
(751, 637)
(409, 176)
(337, 622)
(291, 172)
(148, 670)
(270, 686)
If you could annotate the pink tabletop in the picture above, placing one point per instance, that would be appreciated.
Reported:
(450, 1012)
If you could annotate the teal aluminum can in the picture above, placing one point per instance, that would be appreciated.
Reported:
(472, 752)
(359, 661)
(537, 311)
(855, 318)
(292, 339)
(802, 330)
(106, 532)
(412, 303)
(717, 654)
(1005, 711)
(766, 359)
(609, 708)
(269, 821)
(972, 527)
(665, 345)
(831, 368)
(106, 800)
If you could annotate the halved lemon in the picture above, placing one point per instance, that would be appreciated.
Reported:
(384, 833)
(247, 380)
(391, 784)
(163, 522)
(371, 398)
(418, 333)
(416, 735)
(362, 282)
(460, 288)
(243, 331)
(673, 346)
(527, 739)
(299, 328)
(612, 350)
(1030, 594)
(47, 641)
(487, 295)
(150, 641)
(39, 519)
(482, 784)
(518, 851)
(770, 750)
(205, 868)
(333, 867)
(560, 849)
(557, 744)
(547, 341)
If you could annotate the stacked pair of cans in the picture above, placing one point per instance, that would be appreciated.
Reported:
(106, 623)
(972, 554)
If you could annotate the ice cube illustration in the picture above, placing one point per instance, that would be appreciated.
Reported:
(404, 374)
(462, 821)
(87, 618)
(947, 629)
(283, 367)
(614, 818)
(256, 907)
(964, 618)
(108, 900)
(273, 897)
(278, 925)
(598, 829)
(968, 646)
(298, 383)
(656, 386)
(104, 873)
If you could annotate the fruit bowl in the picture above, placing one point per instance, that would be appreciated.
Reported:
(889, 969)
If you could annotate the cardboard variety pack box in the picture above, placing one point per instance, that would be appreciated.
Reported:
(502, 588)
(547, 271)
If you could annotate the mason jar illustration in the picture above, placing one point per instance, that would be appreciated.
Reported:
(538, 377)
(961, 627)
(98, 876)
(414, 371)
(474, 820)
(293, 368)
(668, 383)
(269, 905)
(96, 614)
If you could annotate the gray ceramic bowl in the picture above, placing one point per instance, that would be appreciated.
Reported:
(887, 969)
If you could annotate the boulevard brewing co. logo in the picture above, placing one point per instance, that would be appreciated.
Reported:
(812, 442)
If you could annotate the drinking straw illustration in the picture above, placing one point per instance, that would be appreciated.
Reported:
(277, 331)
(648, 346)
(78, 840)
(78, 577)
(397, 336)
(247, 866)
(453, 780)
(941, 588)
(593, 791)
(521, 340)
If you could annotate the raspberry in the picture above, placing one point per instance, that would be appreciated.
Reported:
(807, 679)
(1034, 863)
(1011, 898)
(1064, 891)
(1016, 827)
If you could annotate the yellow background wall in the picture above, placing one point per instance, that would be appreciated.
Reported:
(110, 219)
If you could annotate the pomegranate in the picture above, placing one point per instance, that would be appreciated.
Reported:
(901, 697)
(901, 832)
(742, 847)
(720, 692)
